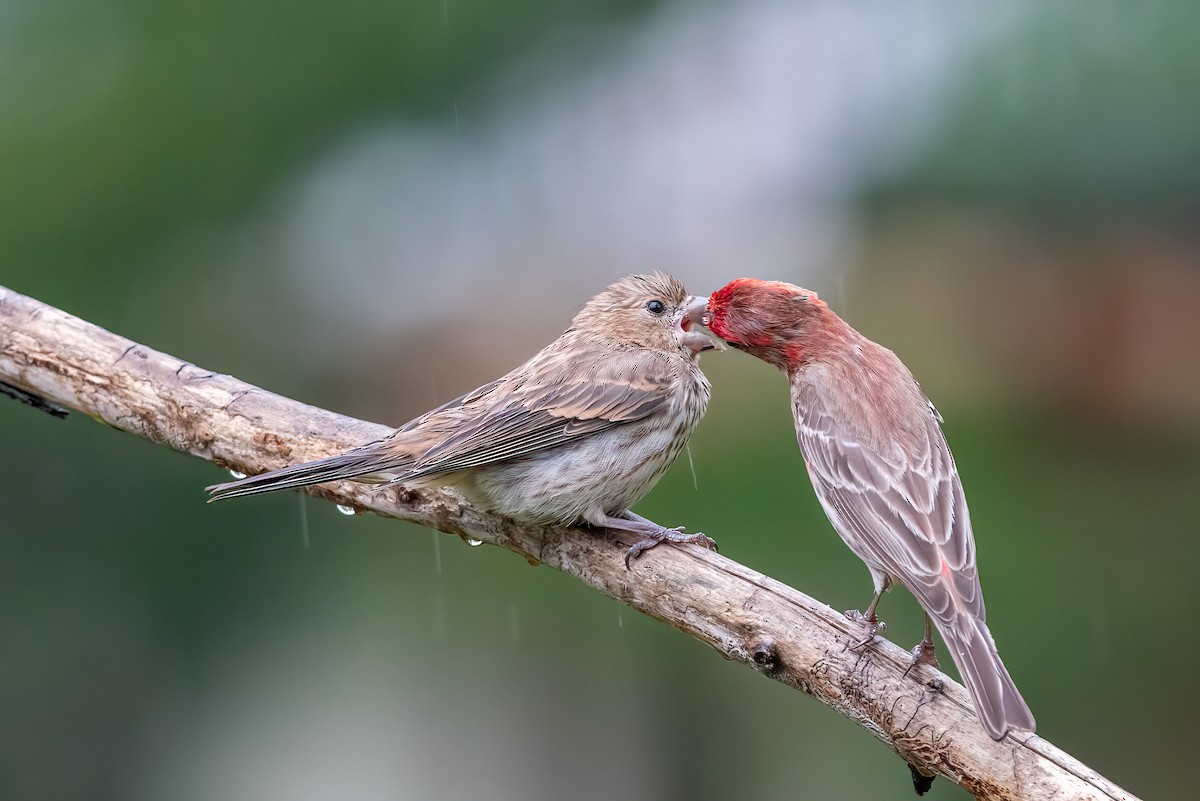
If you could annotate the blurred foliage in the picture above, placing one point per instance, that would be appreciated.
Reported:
(126, 120)
(1085, 111)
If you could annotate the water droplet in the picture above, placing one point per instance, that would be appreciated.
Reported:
(474, 543)
(236, 475)
(346, 510)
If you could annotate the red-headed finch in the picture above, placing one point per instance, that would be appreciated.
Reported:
(577, 434)
(878, 460)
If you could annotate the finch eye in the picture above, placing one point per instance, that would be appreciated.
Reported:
(656, 307)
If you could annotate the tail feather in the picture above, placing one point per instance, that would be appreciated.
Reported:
(361, 464)
(997, 701)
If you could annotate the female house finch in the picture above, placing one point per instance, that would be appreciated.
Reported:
(577, 434)
(882, 471)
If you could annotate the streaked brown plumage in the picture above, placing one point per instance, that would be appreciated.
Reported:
(881, 469)
(577, 434)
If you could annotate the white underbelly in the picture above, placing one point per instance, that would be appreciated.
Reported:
(603, 474)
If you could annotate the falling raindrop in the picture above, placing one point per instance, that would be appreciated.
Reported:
(474, 543)
(692, 465)
(303, 519)
(236, 475)
(620, 618)
(437, 552)
(346, 510)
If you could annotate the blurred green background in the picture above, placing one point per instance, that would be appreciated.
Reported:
(300, 192)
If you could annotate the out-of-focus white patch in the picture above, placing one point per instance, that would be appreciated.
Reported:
(713, 141)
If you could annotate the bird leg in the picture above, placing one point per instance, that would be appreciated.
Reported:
(923, 653)
(870, 622)
(652, 534)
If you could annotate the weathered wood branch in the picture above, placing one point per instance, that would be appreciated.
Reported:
(920, 713)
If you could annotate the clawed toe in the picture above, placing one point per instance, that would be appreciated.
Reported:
(871, 626)
(675, 536)
(703, 540)
(923, 654)
(638, 548)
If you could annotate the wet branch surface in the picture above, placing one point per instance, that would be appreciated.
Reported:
(53, 360)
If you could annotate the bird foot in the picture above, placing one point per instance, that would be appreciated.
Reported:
(870, 626)
(923, 654)
(675, 536)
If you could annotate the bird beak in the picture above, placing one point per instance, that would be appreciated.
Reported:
(696, 336)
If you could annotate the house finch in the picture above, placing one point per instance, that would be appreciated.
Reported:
(577, 434)
(882, 471)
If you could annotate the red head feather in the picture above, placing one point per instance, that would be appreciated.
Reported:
(773, 320)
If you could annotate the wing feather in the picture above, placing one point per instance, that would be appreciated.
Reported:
(553, 403)
(902, 513)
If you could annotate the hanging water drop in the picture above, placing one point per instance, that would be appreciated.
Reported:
(474, 543)
(236, 475)
(346, 510)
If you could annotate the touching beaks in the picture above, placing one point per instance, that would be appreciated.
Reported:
(695, 334)
(695, 308)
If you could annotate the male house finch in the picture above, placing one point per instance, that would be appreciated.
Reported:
(577, 434)
(882, 471)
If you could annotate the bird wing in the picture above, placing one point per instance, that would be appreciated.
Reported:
(902, 513)
(551, 400)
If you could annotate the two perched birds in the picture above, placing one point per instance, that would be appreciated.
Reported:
(583, 430)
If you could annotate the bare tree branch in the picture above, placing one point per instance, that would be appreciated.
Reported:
(920, 713)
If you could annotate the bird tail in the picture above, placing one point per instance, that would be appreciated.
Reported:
(362, 464)
(997, 701)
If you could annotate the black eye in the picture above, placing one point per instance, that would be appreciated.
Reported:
(656, 307)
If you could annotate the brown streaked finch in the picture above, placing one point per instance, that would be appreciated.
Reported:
(881, 468)
(578, 434)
